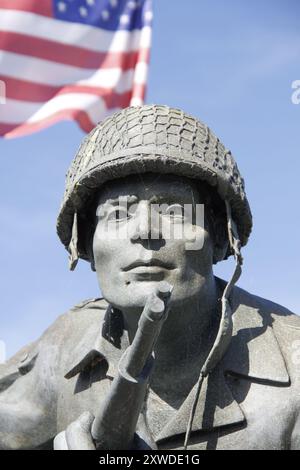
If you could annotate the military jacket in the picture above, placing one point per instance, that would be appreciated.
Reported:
(250, 401)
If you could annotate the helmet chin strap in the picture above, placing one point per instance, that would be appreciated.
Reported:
(73, 245)
(224, 334)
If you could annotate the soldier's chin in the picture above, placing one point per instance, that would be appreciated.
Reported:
(138, 291)
(131, 295)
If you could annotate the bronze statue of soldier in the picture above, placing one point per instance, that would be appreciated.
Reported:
(171, 357)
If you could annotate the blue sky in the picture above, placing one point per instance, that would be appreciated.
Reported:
(229, 62)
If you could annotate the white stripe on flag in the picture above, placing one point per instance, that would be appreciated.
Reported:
(65, 32)
(51, 73)
(18, 112)
(15, 112)
(140, 73)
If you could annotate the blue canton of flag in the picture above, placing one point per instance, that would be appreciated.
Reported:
(71, 59)
(105, 14)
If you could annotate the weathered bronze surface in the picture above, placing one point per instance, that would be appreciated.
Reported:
(171, 356)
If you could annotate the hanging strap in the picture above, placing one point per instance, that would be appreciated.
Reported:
(225, 329)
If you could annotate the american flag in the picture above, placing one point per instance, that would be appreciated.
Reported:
(71, 59)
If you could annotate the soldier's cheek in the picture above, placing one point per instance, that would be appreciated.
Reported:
(196, 251)
(190, 237)
(106, 257)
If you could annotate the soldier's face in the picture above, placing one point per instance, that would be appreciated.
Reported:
(151, 228)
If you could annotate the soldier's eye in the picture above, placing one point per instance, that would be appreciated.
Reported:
(118, 214)
(175, 211)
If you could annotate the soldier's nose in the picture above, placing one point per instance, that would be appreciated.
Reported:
(146, 224)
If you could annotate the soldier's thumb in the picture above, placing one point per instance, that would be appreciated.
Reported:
(85, 421)
(78, 433)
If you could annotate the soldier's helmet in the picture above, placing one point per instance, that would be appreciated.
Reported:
(149, 138)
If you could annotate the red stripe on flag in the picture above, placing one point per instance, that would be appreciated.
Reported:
(37, 93)
(40, 7)
(69, 55)
(9, 131)
(23, 90)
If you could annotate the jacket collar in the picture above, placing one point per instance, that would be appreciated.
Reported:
(105, 343)
(254, 353)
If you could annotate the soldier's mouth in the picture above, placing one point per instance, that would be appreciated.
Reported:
(150, 266)
(150, 273)
(146, 269)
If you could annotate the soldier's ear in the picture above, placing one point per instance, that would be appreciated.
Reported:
(220, 239)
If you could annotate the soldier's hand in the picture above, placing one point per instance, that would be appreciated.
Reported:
(77, 436)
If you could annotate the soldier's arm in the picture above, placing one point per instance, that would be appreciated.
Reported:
(114, 426)
(27, 400)
(295, 439)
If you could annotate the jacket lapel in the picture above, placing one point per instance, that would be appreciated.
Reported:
(103, 343)
(216, 407)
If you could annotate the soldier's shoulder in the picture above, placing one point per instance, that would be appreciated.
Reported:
(94, 306)
(92, 303)
(19, 364)
(86, 311)
(270, 311)
(59, 337)
(258, 313)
